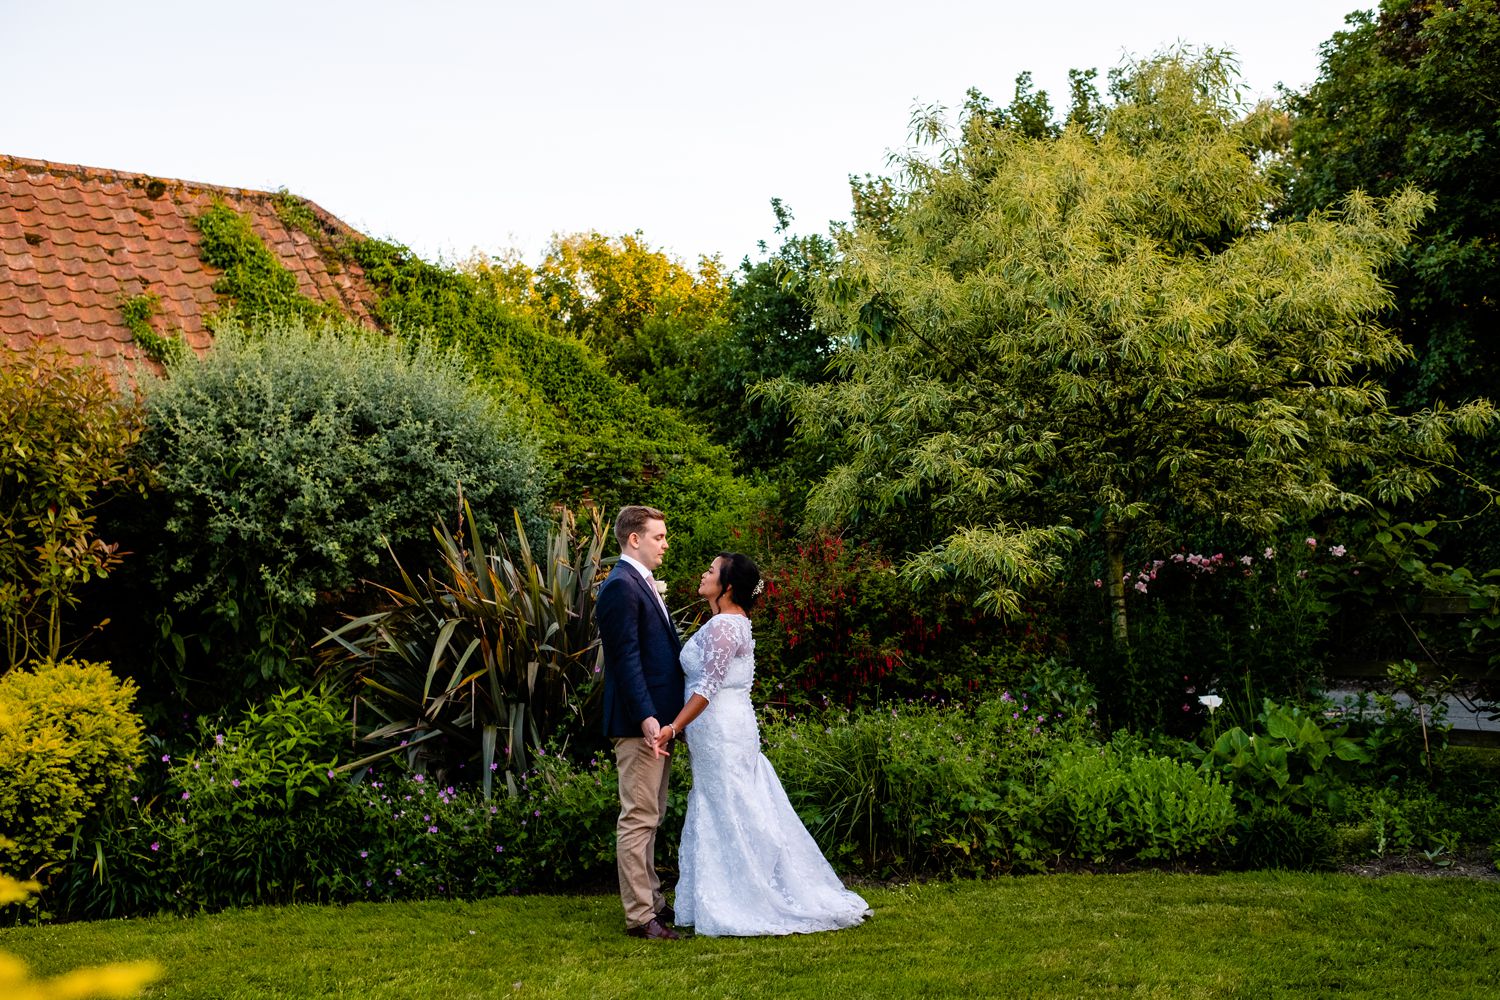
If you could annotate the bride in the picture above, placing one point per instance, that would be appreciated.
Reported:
(748, 865)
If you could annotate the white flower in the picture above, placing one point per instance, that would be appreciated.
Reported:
(661, 587)
(1210, 702)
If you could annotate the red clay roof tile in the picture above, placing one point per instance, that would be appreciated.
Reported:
(75, 241)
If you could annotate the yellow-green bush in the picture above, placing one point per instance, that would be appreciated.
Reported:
(68, 742)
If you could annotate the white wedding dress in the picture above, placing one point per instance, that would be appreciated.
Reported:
(747, 864)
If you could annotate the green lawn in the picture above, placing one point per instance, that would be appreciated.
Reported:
(1145, 935)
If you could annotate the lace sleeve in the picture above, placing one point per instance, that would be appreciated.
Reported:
(720, 642)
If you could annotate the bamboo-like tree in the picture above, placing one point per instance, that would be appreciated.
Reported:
(1078, 335)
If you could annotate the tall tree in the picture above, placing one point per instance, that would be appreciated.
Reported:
(1410, 95)
(1081, 333)
(646, 313)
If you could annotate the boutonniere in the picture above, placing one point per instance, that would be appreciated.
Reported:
(661, 588)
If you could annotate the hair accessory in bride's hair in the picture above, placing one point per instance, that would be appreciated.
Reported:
(759, 586)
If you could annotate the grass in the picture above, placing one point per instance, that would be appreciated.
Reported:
(1142, 935)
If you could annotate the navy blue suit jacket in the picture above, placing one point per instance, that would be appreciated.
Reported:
(642, 677)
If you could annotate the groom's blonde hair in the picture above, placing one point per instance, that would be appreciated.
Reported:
(632, 520)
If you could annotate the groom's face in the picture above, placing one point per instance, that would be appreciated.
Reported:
(651, 544)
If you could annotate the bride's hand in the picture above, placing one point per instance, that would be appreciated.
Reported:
(661, 742)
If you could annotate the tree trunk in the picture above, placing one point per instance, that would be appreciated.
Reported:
(1114, 549)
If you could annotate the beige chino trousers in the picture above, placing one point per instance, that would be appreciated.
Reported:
(643, 804)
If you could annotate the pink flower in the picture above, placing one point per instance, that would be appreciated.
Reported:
(185, 796)
(1270, 553)
(1312, 542)
(1098, 583)
(1187, 708)
(156, 845)
(1338, 550)
(1140, 585)
(1245, 560)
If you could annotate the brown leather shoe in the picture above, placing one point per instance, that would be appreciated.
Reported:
(655, 930)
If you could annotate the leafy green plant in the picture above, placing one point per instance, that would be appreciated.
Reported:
(291, 460)
(496, 650)
(65, 438)
(1289, 760)
(137, 312)
(1276, 836)
(921, 788)
(259, 816)
(1111, 804)
(68, 743)
(257, 285)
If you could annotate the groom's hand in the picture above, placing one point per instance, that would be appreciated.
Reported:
(650, 728)
(661, 743)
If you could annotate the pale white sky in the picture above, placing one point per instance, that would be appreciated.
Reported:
(454, 125)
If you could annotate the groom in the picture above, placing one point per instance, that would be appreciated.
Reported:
(643, 687)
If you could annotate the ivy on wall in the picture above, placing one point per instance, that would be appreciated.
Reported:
(255, 283)
(138, 311)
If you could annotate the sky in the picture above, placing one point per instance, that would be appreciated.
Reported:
(456, 126)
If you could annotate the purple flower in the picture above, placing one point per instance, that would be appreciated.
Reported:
(330, 774)
(235, 782)
(418, 778)
(185, 796)
(398, 873)
(364, 854)
(218, 739)
(166, 758)
(156, 845)
(538, 812)
(432, 829)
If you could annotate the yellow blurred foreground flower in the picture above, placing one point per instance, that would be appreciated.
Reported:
(109, 981)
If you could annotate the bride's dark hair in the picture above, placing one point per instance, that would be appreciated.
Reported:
(738, 573)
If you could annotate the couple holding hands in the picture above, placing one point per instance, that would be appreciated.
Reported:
(747, 864)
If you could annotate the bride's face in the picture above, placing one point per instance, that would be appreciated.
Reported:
(708, 583)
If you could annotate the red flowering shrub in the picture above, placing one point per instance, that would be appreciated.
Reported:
(839, 627)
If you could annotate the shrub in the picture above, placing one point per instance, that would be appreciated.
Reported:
(68, 743)
(290, 459)
(919, 788)
(495, 652)
(1277, 837)
(255, 814)
(840, 628)
(1114, 805)
(64, 439)
(290, 832)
